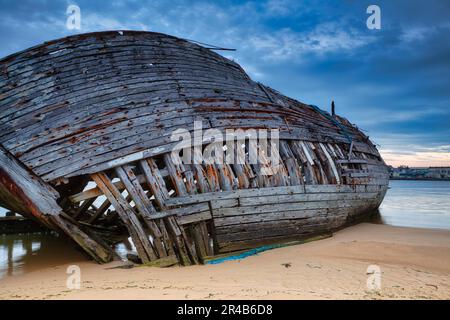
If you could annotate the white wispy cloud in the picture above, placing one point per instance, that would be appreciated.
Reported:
(286, 44)
(400, 149)
(372, 116)
(95, 22)
(416, 159)
(279, 7)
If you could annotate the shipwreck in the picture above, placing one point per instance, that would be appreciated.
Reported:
(87, 150)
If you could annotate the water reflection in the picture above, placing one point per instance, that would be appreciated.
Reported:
(28, 252)
(21, 253)
(125, 247)
(420, 204)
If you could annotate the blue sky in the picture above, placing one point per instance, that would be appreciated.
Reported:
(393, 83)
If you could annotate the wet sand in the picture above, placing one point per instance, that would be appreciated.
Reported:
(414, 264)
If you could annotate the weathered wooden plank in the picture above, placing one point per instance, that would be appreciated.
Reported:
(269, 192)
(90, 164)
(175, 236)
(169, 225)
(298, 150)
(155, 181)
(320, 171)
(81, 92)
(200, 236)
(39, 201)
(34, 195)
(252, 212)
(158, 187)
(304, 198)
(213, 196)
(69, 74)
(83, 208)
(100, 211)
(227, 203)
(127, 215)
(193, 218)
(221, 222)
(226, 177)
(183, 211)
(331, 162)
(320, 232)
(176, 175)
(78, 116)
(291, 162)
(206, 237)
(96, 192)
(356, 174)
(143, 205)
(100, 253)
(212, 177)
(329, 188)
(67, 70)
(277, 228)
(135, 190)
(65, 52)
(269, 218)
(352, 161)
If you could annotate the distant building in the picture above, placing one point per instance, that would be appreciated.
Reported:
(438, 172)
(420, 173)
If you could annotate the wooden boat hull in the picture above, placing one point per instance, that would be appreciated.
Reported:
(87, 148)
(248, 218)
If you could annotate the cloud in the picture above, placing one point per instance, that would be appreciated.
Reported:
(280, 7)
(416, 159)
(416, 33)
(391, 82)
(373, 117)
(95, 22)
(285, 44)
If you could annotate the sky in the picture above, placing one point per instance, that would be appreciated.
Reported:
(393, 83)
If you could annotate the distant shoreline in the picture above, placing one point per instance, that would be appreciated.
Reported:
(420, 179)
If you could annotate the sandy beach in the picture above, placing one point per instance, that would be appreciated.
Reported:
(414, 264)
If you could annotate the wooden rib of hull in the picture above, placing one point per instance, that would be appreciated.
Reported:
(85, 148)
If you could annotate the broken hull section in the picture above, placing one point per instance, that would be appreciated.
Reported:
(89, 119)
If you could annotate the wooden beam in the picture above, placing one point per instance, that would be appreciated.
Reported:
(143, 205)
(39, 199)
(101, 210)
(82, 209)
(176, 175)
(155, 182)
(33, 196)
(93, 248)
(127, 215)
(174, 231)
(352, 161)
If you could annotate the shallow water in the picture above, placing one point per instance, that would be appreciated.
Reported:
(422, 204)
(28, 252)
(24, 253)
